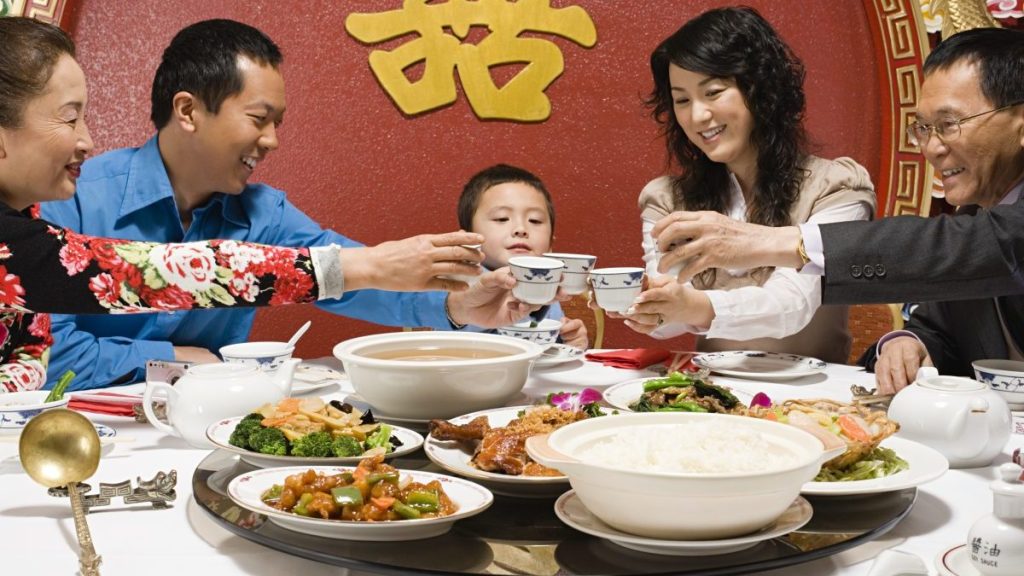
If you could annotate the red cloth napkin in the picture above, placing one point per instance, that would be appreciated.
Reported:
(91, 404)
(635, 358)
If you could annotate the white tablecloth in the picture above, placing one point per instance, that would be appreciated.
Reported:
(37, 534)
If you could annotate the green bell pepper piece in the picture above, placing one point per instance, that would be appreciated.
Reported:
(347, 496)
(423, 501)
(407, 512)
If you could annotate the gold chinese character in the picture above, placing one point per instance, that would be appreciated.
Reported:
(442, 27)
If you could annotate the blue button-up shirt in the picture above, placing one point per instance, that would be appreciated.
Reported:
(127, 194)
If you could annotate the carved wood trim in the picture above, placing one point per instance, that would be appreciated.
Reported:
(901, 45)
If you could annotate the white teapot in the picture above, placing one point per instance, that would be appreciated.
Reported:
(211, 392)
(965, 420)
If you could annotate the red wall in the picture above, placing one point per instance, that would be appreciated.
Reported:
(355, 163)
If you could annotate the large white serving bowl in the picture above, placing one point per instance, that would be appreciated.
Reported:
(426, 389)
(17, 408)
(682, 505)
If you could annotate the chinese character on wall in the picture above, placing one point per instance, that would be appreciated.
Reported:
(442, 27)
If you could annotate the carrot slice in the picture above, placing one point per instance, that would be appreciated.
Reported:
(383, 502)
(852, 430)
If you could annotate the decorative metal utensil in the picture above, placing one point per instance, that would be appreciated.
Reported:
(61, 448)
(158, 492)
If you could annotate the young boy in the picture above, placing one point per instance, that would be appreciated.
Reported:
(512, 209)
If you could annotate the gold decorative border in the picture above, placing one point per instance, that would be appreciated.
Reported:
(52, 11)
(901, 44)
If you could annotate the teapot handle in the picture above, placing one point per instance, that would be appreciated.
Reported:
(147, 406)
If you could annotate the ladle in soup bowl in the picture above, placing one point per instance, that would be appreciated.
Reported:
(57, 448)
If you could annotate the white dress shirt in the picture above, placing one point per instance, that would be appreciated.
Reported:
(783, 305)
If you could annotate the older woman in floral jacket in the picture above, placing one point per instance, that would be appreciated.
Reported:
(43, 268)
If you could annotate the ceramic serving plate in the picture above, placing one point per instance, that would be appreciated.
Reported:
(471, 499)
(570, 509)
(455, 457)
(220, 432)
(625, 393)
(759, 365)
(925, 464)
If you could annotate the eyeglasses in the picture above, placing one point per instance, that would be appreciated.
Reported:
(948, 129)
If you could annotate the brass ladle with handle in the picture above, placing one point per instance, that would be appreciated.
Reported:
(57, 448)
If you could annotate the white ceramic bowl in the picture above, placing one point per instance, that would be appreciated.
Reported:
(16, 408)
(681, 505)
(1005, 377)
(544, 333)
(425, 389)
(266, 355)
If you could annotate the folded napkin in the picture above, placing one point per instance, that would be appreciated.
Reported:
(117, 405)
(634, 358)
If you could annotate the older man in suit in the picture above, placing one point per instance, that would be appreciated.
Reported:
(976, 140)
(970, 126)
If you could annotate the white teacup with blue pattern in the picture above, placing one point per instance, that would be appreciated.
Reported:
(577, 269)
(616, 288)
(537, 278)
(267, 355)
(1005, 377)
(544, 333)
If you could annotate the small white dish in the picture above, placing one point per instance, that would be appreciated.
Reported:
(311, 377)
(925, 464)
(471, 499)
(454, 457)
(759, 365)
(570, 509)
(220, 432)
(557, 354)
(954, 561)
(17, 408)
(625, 393)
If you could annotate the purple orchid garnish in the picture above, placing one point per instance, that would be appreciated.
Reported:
(574, 401)
(761, 399)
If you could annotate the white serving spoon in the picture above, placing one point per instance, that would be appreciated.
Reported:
(298, 333)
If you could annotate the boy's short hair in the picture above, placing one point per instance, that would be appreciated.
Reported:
(488, 178)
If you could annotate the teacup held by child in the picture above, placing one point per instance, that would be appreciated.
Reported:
(577, 268)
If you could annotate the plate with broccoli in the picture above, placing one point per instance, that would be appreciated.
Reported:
(310, 432)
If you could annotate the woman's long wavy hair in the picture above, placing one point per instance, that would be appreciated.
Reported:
(736, 43)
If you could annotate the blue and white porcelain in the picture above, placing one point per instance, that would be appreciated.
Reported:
(1005, 377)
(267, 356)
(544, 333)
(577, 269)
(616, 288)
(16, 408)
(537, 278)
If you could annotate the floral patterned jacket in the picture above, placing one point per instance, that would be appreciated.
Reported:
(46, 268)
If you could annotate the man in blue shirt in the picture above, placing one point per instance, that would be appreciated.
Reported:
(218, 98)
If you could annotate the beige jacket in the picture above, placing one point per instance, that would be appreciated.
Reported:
(829, 183)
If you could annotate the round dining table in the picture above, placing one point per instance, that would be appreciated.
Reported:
(37, 531)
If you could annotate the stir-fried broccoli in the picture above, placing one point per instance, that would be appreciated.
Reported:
(269, 441)
(344, 446)
(244, 428)
(315, 445)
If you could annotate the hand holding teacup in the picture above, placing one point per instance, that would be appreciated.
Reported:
(424, 262)
(666, 301)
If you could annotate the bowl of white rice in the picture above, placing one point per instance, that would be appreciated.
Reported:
(683, 476)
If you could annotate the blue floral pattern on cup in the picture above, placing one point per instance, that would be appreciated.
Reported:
(999, 382)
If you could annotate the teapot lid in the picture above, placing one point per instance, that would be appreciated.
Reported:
(951, 384)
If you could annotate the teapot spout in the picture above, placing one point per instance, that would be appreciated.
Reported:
(282, 376)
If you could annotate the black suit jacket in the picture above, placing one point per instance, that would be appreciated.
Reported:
(955, 333)
(914, 259)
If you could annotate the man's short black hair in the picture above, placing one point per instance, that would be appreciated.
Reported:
(202, 59)
(997, 52)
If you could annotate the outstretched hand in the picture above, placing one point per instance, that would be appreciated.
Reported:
(697, 241)
(414, 264)
(488, 303)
